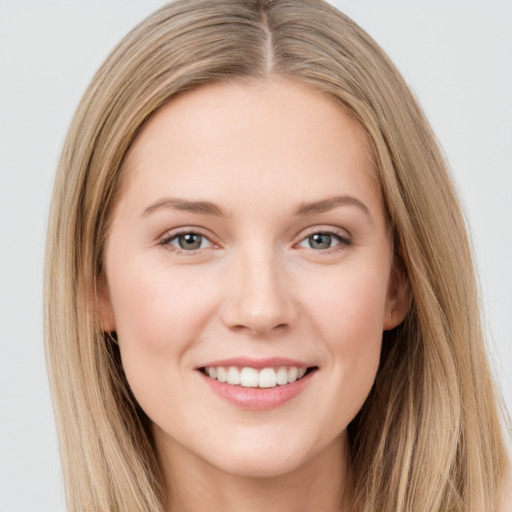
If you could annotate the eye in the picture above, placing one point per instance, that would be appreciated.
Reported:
(187, 241)
(323, 240)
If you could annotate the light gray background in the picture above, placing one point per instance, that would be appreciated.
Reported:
(455, 54)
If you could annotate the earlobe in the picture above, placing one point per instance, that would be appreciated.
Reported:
(398, 301)
(104, 306)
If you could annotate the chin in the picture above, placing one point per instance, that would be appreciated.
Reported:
(262, 458)
(257, 466)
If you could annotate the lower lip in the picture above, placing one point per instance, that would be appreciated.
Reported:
(258, 399)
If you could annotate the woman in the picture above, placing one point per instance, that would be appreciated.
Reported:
(259, 287)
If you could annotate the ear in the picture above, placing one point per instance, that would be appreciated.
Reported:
(398, 301)
(104, 305)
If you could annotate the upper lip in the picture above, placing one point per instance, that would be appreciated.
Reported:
(267, 362)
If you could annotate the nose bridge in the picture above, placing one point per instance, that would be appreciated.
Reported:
(259, 299)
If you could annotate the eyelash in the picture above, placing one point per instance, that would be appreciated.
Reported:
(169, 237)
(343, 241)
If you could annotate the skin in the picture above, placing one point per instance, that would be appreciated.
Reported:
(256, 288)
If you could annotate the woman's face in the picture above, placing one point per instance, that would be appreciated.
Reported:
(250, 242)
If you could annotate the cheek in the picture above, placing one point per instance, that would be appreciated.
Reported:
(345, 304)
(348, 317)
(158, 318)
(156, 309)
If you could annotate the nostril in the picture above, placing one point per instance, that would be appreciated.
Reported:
(257, 302)
(259, 328)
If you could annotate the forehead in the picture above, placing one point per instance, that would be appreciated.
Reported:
(242, 139)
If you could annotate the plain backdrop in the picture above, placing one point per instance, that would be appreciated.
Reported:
(455, 54)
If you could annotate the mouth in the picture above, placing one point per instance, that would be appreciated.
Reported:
(251, 377)
(257, 384)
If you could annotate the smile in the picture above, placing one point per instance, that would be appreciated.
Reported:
(249, 377)
(257, 385)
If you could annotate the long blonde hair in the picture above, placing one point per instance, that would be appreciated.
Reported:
(429, 437)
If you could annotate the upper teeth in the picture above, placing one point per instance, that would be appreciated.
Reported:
(252, 378)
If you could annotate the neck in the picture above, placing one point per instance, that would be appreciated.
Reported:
(321, 483)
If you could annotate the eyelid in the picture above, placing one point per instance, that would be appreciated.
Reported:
(341, 233)
(171, 234)
(344, 237)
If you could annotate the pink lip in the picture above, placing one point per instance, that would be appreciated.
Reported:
(257, 399)
(269, 362)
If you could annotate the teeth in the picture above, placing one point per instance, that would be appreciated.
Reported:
(267, 378)
(233, 376)
(293, 372)
(282, 376)
(252, 378)
(222, 375)
(249, 378)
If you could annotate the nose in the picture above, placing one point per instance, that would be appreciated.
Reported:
(259, 297)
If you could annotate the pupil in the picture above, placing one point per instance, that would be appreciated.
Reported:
(320, 241)
(190, 241)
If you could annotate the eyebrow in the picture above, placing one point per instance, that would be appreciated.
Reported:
(325, 205)
(209, 208)
(201, 207)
